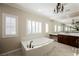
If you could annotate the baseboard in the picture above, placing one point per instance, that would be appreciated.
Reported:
(10, 52)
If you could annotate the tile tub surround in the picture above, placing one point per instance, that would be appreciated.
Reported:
(41, 46)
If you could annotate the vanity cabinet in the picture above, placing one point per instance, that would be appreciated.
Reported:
(69, 40)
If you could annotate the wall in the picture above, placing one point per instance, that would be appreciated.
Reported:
(8, 44)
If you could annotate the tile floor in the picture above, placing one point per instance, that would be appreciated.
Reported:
(62, 50)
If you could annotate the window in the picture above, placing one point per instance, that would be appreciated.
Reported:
(37, 28)
(29, 26)
(66, 28)
(40, 28)
(46, 25)
(34, 27)
(59, 28)
(9, 25)
(55, 27)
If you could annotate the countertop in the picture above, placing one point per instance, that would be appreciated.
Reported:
(70, 34)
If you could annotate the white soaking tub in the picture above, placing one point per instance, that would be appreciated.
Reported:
(42, 46)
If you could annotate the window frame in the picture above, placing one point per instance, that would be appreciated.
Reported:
(4, 27)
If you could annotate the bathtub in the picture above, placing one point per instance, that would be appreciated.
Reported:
(42, 46)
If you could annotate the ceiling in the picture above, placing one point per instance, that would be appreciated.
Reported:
(71, 10)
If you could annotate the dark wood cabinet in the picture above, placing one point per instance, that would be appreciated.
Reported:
(69, 40)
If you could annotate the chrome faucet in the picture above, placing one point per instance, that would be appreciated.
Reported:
(30, 45)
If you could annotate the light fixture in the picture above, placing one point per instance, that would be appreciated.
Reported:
(59, 8)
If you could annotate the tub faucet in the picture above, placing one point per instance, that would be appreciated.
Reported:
(30, 45)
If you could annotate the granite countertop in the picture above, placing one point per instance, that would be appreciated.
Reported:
(54, 33)
(70, 34)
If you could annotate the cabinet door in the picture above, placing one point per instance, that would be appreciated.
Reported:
(63, 39)
(69, 40)
(72, 41)
(77, 42)
(60, 38)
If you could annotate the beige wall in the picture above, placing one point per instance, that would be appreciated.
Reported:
(7, 44)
